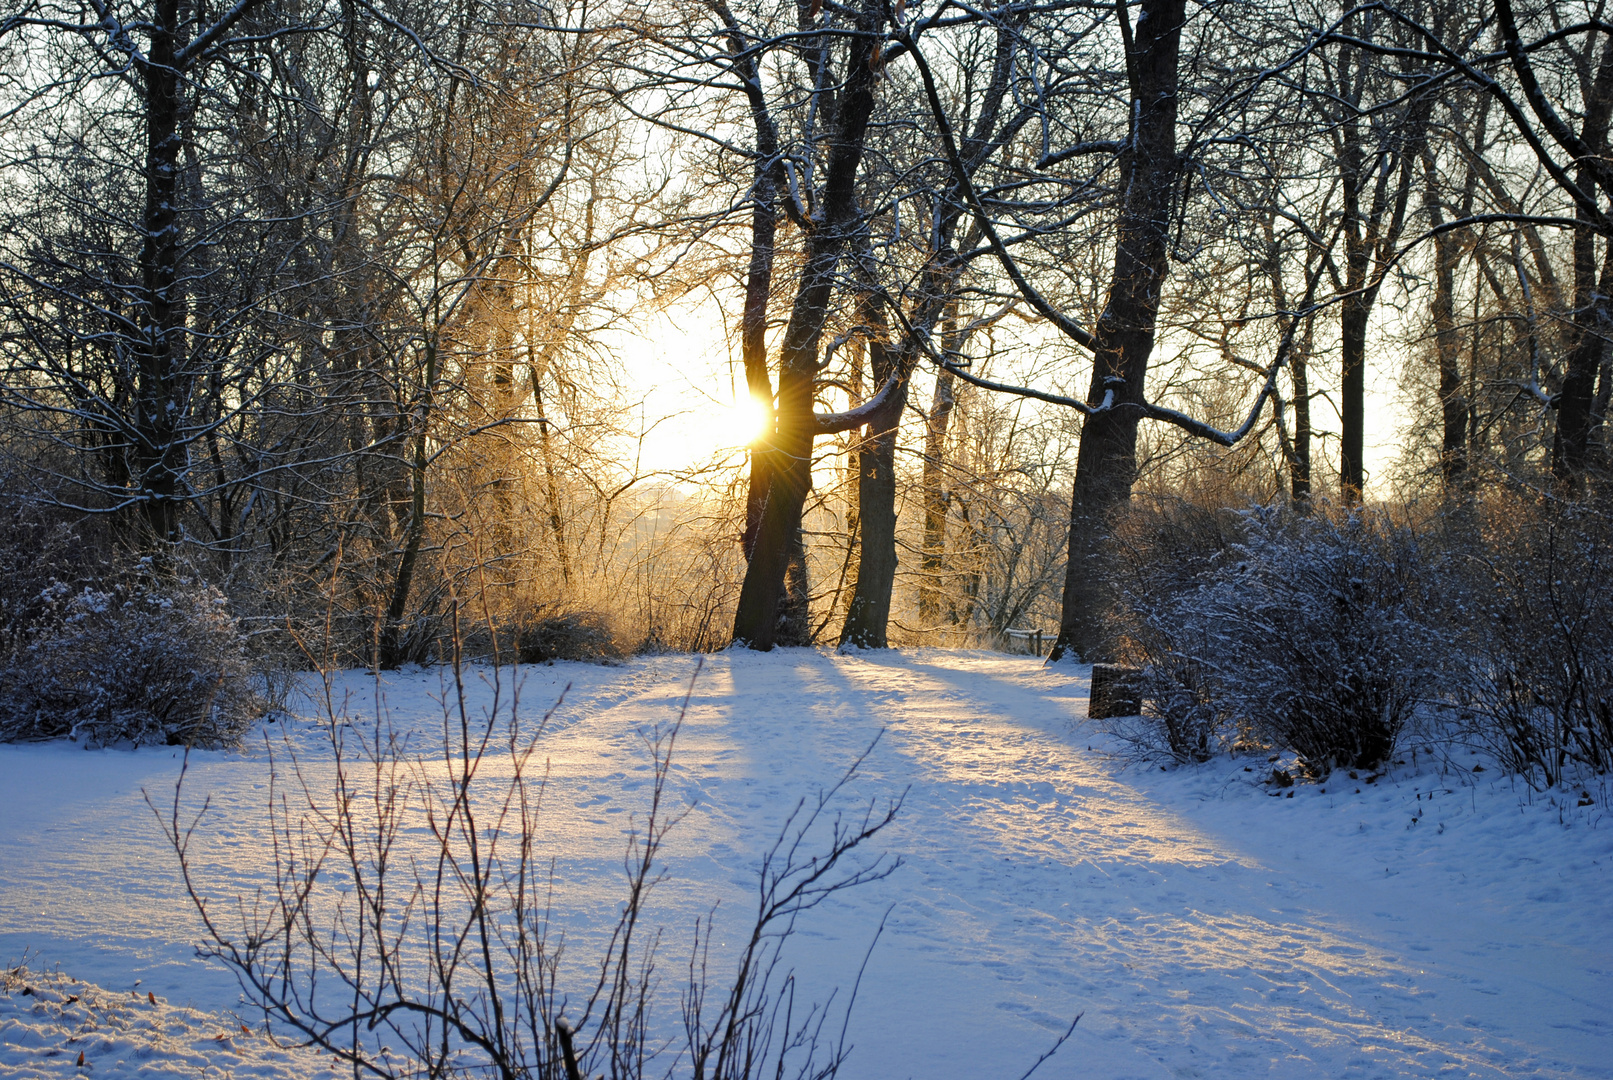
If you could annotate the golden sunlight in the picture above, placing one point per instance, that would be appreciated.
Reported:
(742, 423)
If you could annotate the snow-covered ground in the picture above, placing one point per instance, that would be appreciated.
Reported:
(53, 1025)
(1434, 921)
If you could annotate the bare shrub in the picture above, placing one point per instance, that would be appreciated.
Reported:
(442, 962)
(1295, 630)
(147, 660)
(1160, 549)
(567, 635)
(1325, 652)
(1528, 583)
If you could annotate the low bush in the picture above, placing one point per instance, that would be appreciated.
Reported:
(1162, 548)
(1295, 630)
(567, 635)
(1527, 582)
(147, 660)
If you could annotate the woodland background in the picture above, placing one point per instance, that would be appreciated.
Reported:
(1061, 314)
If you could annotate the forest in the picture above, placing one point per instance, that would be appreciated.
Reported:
(1219, 386)
(317, 324)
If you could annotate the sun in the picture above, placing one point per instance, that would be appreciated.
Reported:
(743, 422)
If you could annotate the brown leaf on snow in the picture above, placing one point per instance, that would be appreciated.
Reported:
(151, 997)
(81, 1059)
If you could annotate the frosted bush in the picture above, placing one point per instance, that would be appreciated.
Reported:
(1530, 589)
(570, 635)
(1320, 649)
(1301, 632)
(1163, 548)
(148, 661)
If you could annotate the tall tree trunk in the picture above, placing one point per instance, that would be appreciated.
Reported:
(1297, 451)
(1354, 315)
(1355, 312)
(868, 614)
(1106, 463)
(1447, 341)
(162, 388)
(753, 348)
(393, 645)
(933, 483)
(778, 534)
(1593, 325)
(1375, 182)
(1299, 374)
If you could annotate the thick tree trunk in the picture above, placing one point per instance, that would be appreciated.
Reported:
(933, 483)
(1593, 325)
(756, 620)
(162, 390)
(1576, 402)
(1354, 315)
(868, 615)
(753, 350)
(1448, 350)
(1356, 310)
(1106, 463)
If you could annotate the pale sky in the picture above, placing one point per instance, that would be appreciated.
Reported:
(696, 409)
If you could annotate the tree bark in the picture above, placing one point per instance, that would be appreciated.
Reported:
(868, 615)
(933, 482)
(1447, 342)
(756, 620)
(162, 397)
(392, 647)
(1299, 374)
(1106, 463)
(1593, 318)
(1376, 186)
(753, 341)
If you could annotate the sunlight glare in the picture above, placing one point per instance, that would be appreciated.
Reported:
(742, 423)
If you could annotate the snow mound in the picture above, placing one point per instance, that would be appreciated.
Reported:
(54, 1026)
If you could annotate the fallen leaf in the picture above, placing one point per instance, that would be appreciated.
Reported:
(81, 1059)
(151, 997)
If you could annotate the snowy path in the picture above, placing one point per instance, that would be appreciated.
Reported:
(1423, 927)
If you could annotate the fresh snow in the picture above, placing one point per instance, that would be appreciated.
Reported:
(1440, 921)
(53, 1025)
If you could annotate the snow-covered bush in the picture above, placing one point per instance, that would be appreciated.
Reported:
(1324, 650)
(1530, 584)
(1303, 632)
(566, 635)
(1161, 550)
(147, 660)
